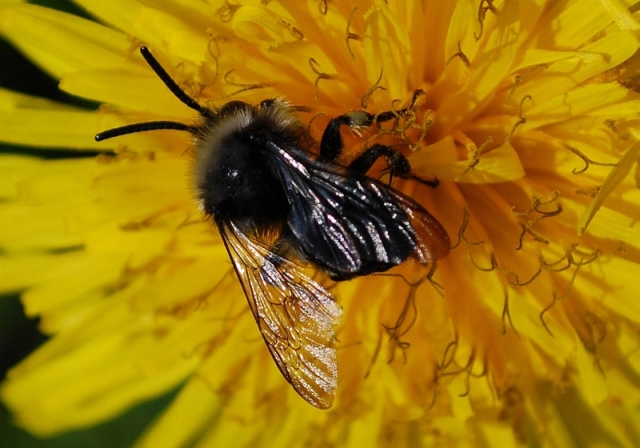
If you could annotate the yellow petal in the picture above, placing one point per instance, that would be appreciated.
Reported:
(620, 12)
(177, 424)
(128, 89)
(72, 43)
(574, 24)
(27, 120)
(501, 164)
(174, 27)
(609, 222)
(386, 49)
(85, 385)
(598, 56)
(580, 101)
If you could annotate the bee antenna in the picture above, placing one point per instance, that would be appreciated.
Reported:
(170, 83)
(143, 127)
(157, 125)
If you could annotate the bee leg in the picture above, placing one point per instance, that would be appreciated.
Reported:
(332, 144)
(397, 163)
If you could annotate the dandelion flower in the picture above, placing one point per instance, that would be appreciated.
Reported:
(527, 333)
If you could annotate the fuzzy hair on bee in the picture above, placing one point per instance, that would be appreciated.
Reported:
(255, 174)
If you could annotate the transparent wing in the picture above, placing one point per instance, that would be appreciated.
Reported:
(294, 314)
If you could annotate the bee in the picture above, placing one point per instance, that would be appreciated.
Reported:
(256, 176)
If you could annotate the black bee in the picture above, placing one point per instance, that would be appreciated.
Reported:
(256, 177)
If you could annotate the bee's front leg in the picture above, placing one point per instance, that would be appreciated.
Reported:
(332, 144)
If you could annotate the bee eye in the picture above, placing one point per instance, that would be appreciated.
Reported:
(255, 138)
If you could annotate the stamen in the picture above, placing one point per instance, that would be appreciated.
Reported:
(243, 87)
(526, 230)
(323, 7)
(587, 161)
(537, 207)
(505, 273)
(597, 326)
(514, 412)
(528, 282)
(591, 192)
(227, 11)
(437, 286)
(405, 120)
(598, 333)
(537, 203)
(493, 267)
(506, 315)
(376, 352)
(466, 218)
(569, 260)
(518, 80)
(521, 119)
(470, 374)
(460, 370)
(367, 95)
(463, 57)
(613, 125)
(585, 257)
(466, 370)
(312, 64)
(516, 83)
(482, 13)
(214, 38)
(475, 158)
(295, 32)
(411, 122)
(406, 320)
(351, 36)
(449, 354)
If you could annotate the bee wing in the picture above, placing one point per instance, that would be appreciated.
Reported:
(294, 314)
(432, 239)
(351, 224)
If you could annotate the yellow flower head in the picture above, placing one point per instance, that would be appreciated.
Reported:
(527, 332)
